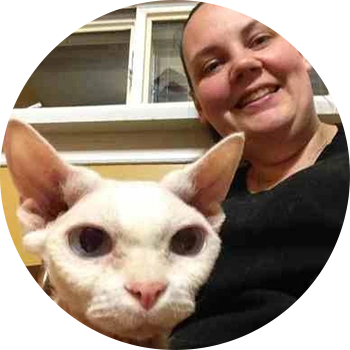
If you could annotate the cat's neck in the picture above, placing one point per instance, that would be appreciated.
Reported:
(111, 341)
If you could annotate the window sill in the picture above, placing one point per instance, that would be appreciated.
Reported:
(129, 134)
(121, 134)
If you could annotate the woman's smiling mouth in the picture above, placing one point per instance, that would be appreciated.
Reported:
(255, 95)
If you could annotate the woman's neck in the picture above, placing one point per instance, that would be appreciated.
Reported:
(266, 174)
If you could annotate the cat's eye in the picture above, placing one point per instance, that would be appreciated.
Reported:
(90, 242)
(188, 241)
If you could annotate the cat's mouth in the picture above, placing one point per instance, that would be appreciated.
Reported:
(139, 324)
(129, 331)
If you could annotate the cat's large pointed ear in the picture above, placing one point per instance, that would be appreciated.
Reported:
(37, 172)
(47, 185)
(204, 184)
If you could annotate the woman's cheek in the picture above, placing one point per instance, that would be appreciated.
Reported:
(213, 92)
(284, 58)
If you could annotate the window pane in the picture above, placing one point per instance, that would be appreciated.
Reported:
(167, 79)
(324, 47)
(320, 74)
(85, 69)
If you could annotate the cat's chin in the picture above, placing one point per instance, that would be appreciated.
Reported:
(139, 326)
(144, 333)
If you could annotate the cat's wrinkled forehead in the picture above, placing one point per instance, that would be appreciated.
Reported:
(133, 207)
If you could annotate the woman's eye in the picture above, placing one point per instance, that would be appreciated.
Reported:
(90, 242)
(187, 242)
(261, 40)
(211, 66)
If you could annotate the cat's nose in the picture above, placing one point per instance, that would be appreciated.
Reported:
(147, 293)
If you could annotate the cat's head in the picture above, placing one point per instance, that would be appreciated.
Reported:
(127, 258)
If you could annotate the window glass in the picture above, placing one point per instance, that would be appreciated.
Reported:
(85, 69)
(167, 78)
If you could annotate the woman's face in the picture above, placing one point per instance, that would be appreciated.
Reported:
(245, 76)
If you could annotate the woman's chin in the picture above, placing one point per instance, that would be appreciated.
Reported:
(266, 123)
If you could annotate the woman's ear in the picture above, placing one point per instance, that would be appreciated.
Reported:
(307, 64)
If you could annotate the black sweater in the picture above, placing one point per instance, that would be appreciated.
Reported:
(275, 243)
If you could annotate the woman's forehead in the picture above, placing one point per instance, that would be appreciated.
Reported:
(297, 12)
(222, 16)
(214, 22)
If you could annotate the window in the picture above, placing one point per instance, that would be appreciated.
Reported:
(85, 69)
(126, 57)
(323, 45)
(162, 80)
(89, 68)
(168, 81)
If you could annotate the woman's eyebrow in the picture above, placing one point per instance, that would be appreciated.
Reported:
(212, 47)
(249, 27)
(204, 51)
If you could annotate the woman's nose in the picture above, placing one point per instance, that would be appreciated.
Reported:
(245, 69)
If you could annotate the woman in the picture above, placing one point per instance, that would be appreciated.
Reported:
(285, 209)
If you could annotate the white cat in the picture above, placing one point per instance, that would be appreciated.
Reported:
(124, 258)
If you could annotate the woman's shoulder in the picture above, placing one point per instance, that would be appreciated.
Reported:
(337, 147)
(330, 173)
(332, 164)
(343, 132)
(344, 125)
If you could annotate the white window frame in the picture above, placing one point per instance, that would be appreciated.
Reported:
(146, 15)
(137, 115)
(114, 25)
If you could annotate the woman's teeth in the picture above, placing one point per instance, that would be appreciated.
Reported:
(256, 95)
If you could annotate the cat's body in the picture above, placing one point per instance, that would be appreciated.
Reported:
(125, 258)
